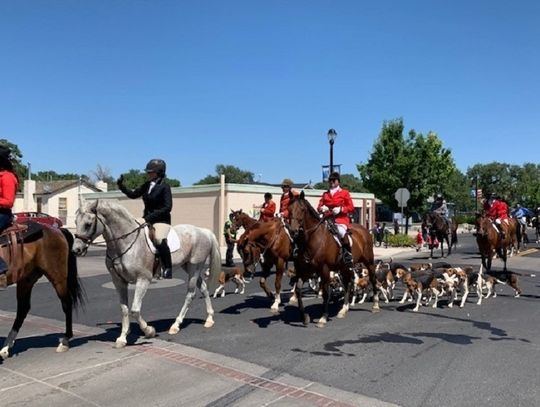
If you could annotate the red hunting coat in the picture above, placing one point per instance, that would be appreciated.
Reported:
(497, 210)
(284, 204)
(8, 189)
(267, 211)
(341, 198)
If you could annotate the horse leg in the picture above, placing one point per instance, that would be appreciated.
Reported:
(373, 281)
(67, 307)
(325, 285)
(266, 266)
(347, 283)
(203, 288)
(140, 291)
(24, 291)
(192, 285)
(298, 293)
(280, 269)
(122, 290)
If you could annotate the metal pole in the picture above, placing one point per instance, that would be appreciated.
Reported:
(331, 156)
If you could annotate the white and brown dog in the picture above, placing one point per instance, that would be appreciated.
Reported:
(234, 274)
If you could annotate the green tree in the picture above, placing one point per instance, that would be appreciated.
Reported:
(232, 174)
(516, 184)
(348, 181)
(54, 176)
(135, 178)
(419, 163)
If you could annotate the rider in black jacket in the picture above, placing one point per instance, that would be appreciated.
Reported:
(157, 198)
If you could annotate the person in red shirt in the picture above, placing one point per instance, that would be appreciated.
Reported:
(8, 189)
(286, 187)
(268, 208)
(497, 210)
(337, 202)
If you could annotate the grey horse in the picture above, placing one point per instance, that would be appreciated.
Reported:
(129, 259)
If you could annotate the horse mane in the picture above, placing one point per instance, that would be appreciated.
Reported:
(107, 207)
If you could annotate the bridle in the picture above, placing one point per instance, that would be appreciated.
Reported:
(88, 241)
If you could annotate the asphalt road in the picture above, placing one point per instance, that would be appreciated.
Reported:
(484, 355)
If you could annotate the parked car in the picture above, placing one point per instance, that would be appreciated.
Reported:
(38, 217)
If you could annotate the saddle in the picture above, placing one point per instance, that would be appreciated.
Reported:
(12, 242)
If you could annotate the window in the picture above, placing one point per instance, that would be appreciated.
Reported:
(62, 209)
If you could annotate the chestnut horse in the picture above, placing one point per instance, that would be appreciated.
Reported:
(489, 240)
(439, 228)
(318, 252)
(48, 255)
(267, 239)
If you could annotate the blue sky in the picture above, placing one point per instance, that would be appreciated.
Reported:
(257, 84)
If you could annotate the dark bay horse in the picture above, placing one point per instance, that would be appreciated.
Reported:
(268, 240)
(439, 228)
(48, 255)
(490, 241)
(318, 252)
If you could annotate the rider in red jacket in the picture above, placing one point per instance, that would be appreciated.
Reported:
(338, 202)
(8, 189)
(268, 208)
(286, 187)
(497, 210)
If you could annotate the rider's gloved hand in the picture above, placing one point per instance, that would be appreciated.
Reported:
(323, 209)
(336, 210)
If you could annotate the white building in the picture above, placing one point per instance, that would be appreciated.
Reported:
(56, 198)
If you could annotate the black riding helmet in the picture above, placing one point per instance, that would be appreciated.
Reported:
(156, 165)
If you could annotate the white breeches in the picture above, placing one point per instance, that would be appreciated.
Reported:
(342, 229)
(161, 231)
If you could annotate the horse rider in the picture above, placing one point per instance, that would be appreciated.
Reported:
(157, 198)
(497, 210)
(268, 208)
(439, 206)
(286, 187)
(8, 189)
(521, 214)
(337, 201)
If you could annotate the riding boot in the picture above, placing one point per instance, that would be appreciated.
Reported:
(3, 273)
(165, 257)
(346, 253)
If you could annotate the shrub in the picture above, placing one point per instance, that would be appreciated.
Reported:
(400, 240)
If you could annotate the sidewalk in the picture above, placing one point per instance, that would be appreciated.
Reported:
(152, 372)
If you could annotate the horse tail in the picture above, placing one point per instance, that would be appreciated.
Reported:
(215, 264)
(75, 289)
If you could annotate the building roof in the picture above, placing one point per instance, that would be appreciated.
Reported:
(55, 187)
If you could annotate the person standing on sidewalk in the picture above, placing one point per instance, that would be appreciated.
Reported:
(157, 198)
(230, 239)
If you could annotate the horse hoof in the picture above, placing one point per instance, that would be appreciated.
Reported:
(341, 315)
(374, 310)
(4, 353)
(150, 332)
(173, 330)
(274, 310)
(119, 344)
(209, 324)
(293, 300)
(61, 348)
(321, 324)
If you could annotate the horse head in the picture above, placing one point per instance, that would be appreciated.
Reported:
(482, 224)
(88, 226)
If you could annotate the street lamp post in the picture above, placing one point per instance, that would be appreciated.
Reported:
(331, 138)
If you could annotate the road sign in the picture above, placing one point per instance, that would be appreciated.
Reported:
(402, 195)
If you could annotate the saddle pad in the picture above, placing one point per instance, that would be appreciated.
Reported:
(33, 233)
(172, 240)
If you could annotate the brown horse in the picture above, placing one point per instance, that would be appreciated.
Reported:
(318, 252)
(438, 227)
(490, 241)
(48, 255)
(268, 240)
